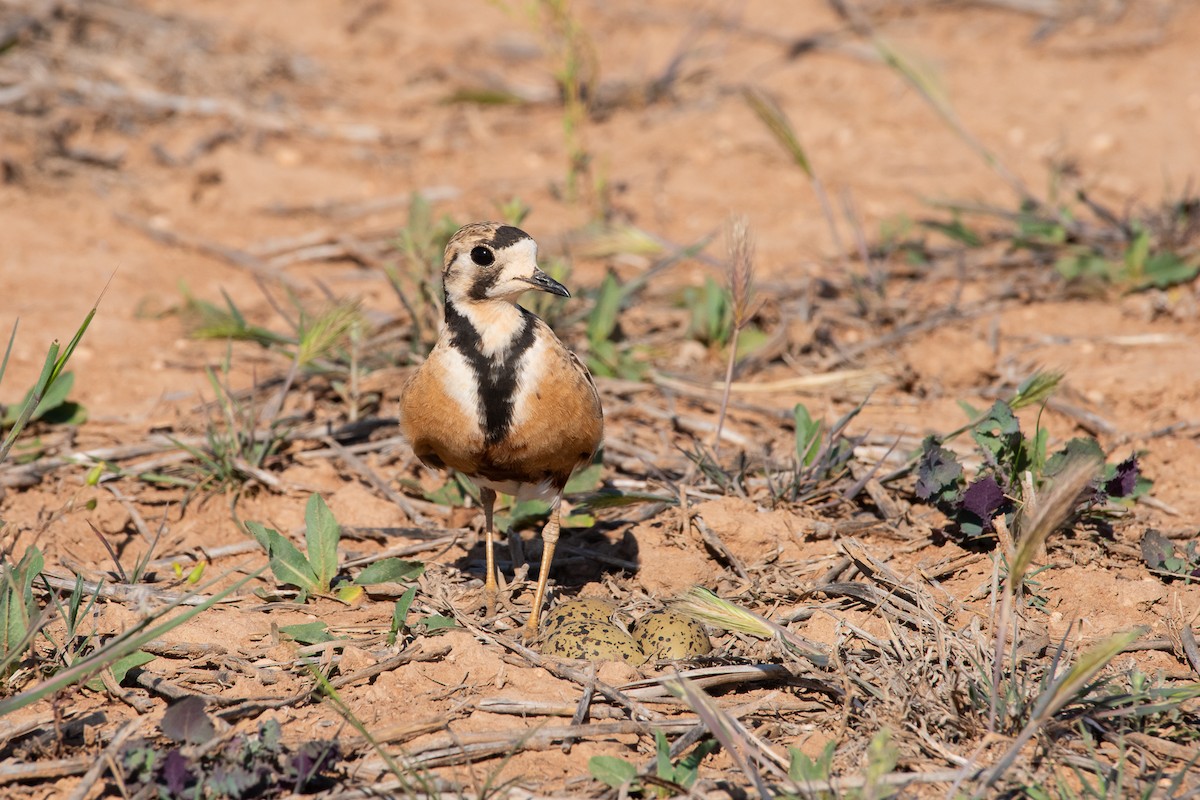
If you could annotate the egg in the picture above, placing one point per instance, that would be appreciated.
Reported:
(592, 640)
(666, 634)
(581, 609)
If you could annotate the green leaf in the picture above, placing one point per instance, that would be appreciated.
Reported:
(1137, 254)
(322, 533)
(603, 319)
(585, 480)
(449, 494)
(308, 632)
(1084, 264)
(688, 767)
(436, 622)
(400, 614)
(955, 230)
(261, 534)
(939, 475)
(808, 435)
(390, 570)
(996, 431)
(802, 769)
(289, 565)
(662, 757)
(882, 756)
(1166, 269)
(577, 520)
(122, 666)
(751, 340)
(610, 770)
(1079, 447)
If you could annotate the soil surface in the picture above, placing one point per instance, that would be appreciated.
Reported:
(269, 153)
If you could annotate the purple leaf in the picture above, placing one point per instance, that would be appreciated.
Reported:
(983, 498)
(1123, 482)
(175, 772)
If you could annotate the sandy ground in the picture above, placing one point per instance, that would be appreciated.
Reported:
(321, 107)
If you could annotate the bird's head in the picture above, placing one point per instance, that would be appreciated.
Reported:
(492, 261)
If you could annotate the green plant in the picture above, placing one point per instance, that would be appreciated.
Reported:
(48, 393)
(258, 765)
(535, 512)
(576, 75)
(608, 354)
(819, 458)
(205, 320)
(1168, 561)
(319, 573)
(803, 770)
(235, 450)
(671, 777)
(1013, 466)
(18, 610)
(54, 407)
(120, 651)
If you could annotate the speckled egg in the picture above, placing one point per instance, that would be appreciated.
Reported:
(579, 610)
(592, 640)
(668, 634)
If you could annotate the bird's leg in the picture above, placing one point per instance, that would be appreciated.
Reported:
(487, 497)
(549, 542)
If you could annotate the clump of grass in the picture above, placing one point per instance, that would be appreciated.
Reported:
(48, 394)
(236, 450)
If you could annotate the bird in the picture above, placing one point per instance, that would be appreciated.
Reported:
(500, 398)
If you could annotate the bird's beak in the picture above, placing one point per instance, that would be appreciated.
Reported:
(542, 281)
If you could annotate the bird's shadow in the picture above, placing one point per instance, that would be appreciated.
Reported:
(583, 555)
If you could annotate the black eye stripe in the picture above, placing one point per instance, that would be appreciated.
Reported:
(483, 256)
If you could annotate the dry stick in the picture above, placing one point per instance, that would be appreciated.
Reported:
(44, 770)
(412, 653)
(407, 550)
(366, 473)
(126, 593)
(138, 520)
(26, 475)
(1188, 639)
(559, 670)
(350, 209)
(581, 712)
(209, 554)
(719, 548)
(464, 748)
(230, 255)
(107, 93)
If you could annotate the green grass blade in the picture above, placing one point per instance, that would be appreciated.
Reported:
(12, 337)
(120, 646)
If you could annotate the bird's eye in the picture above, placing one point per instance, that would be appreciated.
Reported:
(483, 256)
